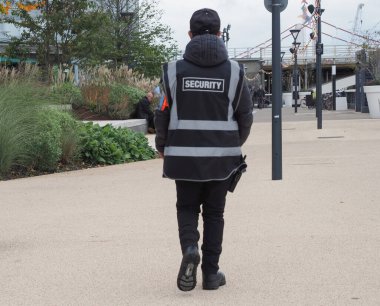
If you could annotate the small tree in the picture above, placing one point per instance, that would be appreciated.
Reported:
(371, 54)
(94, 32)
(139, 37)
(47, 29)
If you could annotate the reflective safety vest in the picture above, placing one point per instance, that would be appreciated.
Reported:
(203, 140)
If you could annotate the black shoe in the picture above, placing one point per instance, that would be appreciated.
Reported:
(213, 281)
(187, 275)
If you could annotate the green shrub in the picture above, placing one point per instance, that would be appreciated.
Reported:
(123, 100)
(35, 135)
(46, 147)
(135, 94)
(119, 101)
(109, 145)
(56, 140)
(70, 142)
(67, 93)
(19, 109)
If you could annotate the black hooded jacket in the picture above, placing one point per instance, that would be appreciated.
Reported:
(209, 115)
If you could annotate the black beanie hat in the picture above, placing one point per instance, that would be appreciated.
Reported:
(205, 21)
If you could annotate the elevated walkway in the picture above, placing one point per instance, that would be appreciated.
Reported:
(340, 54)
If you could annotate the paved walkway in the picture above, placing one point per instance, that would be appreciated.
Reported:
(108, 236)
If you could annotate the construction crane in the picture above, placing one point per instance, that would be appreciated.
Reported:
(357, 24)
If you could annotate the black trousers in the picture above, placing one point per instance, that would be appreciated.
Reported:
(260, 102)
(211, 196)
(151, 122)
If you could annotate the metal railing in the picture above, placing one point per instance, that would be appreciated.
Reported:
(332, 53)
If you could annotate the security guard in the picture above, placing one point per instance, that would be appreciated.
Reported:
(200, 128)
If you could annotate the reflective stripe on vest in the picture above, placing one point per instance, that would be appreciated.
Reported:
(202, 152)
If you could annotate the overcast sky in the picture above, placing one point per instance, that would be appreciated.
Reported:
(251, 23)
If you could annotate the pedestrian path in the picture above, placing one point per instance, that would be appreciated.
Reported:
(305, 114)
(108, 236)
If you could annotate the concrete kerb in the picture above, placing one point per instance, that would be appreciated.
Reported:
(138, 125)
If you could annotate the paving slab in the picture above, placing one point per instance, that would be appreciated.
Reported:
(108, 236)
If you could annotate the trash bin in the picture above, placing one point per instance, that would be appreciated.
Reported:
(287, 99)
(341, 103)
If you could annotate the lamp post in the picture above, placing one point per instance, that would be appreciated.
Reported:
(294, 51)
(47, 37)
(319, 52)
(276, 7)
(226, 35)
(127, 18)
(317, 10)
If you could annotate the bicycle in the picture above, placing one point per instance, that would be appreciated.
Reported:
(327, 101)
(303, 103)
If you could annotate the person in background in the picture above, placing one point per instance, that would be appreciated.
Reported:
(200, 128)
(260, 94)
(144, 111)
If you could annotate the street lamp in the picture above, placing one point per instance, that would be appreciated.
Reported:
(276, 7)
(294, 51)
(226, 35)
(318, 11)
(127, 18)
(295, 33)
